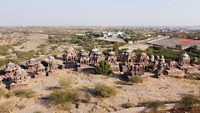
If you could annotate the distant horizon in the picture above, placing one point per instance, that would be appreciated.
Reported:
(99, 13)
(99, 26)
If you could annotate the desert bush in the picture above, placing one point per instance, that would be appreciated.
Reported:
(190, 101)
(9, 94)
(26, 55)
(25, 93)
(4, 49)
(136, 79)
(65, 99)
(103, 68)
(168, 53)
(60, 97)
(154, 105)
(2, 92)
(42, 49)
(82, 96)
(2, 62)
(59, 39)
(65, 83)
(105, 91)
(127, 105)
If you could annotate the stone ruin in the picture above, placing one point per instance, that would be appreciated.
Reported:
(13, 75)
(83, 57)
(182, 68)
(50, 64)
(31, 64)
(40, 69)
(131, 64)
(128, 57)
(95, 56)
(69, 58)
(112, 58)
(70, 55)
(184, 62)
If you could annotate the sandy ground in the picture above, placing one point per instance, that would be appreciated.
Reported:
(135, 46)
(168, 89)
(32, 42)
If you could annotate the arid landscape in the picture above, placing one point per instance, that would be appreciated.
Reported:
(54, 73)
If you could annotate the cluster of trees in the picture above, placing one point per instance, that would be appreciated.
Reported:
(134, 36)
(168, 53)
(91, 34)
(171, 54)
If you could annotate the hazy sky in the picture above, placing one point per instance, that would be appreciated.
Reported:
(99, 12)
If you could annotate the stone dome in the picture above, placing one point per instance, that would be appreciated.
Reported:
(84, 54)
(143, 54)
(71, 50)
(10, 64)
(40, 66)
(20, 72)
(98, 53)
(51, 58)
(95, 50)
(185, 56)
(111, 53)
(82, 50)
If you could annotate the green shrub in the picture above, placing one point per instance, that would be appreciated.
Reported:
(2, 62)
(9, 94)
(154, 105)
(105, 91)
(65, 83)
(136, 79)
(26, 55)
(60, 97)
(190, 101)
(59, 39)
(4, 49)
(25, 93)
(168, 53)
(103, 68)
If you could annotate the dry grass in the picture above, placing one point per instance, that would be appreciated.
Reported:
(136, 79)
(24, 93)
(7, 107)
(190, 101)
(105, 91)
(65, 83)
